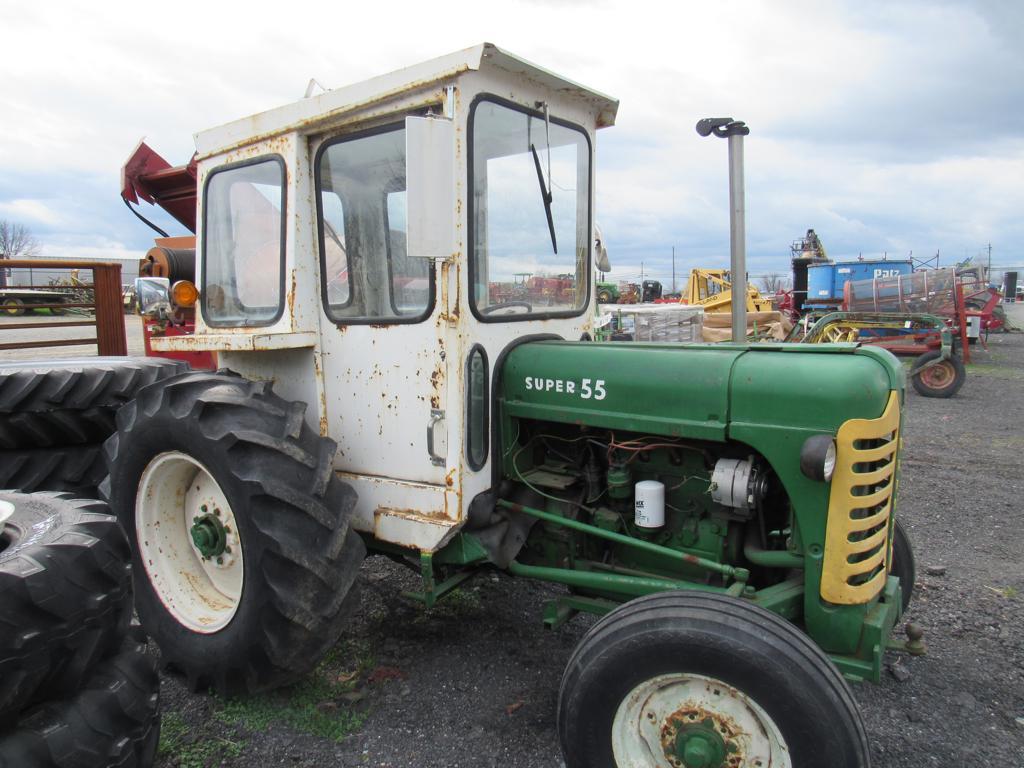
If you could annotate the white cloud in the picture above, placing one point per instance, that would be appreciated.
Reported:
(30, 212)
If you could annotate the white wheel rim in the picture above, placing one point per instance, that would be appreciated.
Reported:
(6, 510)
(650, 718)
(201, 593)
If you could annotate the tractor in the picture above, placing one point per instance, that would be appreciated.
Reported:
(379, 393)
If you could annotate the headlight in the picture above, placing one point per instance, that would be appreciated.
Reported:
(154, 296)
(818, 457)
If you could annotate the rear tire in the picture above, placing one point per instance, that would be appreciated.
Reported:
(222, 458)
(65, 594)
(113, 721)
(680, 671)
(941, 380)
(71, 402)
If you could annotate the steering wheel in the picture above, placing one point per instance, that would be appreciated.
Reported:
(507, 305)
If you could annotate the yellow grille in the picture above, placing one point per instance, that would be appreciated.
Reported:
(859, 507)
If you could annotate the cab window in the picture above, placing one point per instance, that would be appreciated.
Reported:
(367, 274)
(243, 244)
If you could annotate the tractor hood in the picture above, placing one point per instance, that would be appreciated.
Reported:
(698, 391)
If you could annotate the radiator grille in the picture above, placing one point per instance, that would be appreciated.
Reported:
(860, 507)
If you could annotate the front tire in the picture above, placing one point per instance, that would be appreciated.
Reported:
(678, 678)
(239, 528)
(903, 565)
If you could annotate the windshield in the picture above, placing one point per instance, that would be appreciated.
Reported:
(243, 244)
(530, 214)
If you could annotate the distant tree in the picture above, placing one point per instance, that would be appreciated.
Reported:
(16, 242)
(772, 283)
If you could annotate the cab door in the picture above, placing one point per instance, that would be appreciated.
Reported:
(385, 358)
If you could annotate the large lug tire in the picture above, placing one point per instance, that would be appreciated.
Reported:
(65, 594)
(941, 380)
(113, 721)
(244, 558)
(696, 677)
(903, 565)
(26, 430)
(77, 469)
(71, 402)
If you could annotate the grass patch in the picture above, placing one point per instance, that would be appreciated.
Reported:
(324, 704)
(994, 371)
(189, 751)
(1008, 592)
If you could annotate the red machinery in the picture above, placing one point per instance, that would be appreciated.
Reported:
(147, 176)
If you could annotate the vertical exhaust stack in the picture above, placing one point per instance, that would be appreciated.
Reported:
(734, 131)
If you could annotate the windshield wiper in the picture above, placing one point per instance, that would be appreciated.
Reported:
(546, 196)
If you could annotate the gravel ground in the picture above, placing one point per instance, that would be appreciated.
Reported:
(474, 682)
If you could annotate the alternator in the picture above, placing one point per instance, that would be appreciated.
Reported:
(738, 484)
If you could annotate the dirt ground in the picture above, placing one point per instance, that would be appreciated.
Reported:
(474, 681)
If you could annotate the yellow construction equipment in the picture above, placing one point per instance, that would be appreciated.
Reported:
(712, 290)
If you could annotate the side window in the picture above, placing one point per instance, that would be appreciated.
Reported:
(367, 273)
(476, 408)
(243, 244)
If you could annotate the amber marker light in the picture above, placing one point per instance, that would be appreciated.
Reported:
(184, 294)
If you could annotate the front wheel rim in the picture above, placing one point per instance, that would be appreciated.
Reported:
(938, 376)
(198, 583)
(683, 720)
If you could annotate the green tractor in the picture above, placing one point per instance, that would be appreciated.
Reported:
(736, 534)
(607, 293)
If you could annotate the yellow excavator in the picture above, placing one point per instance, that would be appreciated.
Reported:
(712, 290)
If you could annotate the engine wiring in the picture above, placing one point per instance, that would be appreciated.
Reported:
(634, 447)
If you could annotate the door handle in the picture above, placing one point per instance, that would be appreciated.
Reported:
(437, 438)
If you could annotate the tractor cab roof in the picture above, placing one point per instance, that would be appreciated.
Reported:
(310, 114)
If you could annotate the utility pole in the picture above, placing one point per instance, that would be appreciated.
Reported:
(673, 269)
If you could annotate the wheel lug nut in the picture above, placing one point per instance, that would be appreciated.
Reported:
(220, 561)
(202, 508)
(216, 511)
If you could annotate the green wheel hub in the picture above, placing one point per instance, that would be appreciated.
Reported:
(209, 536)
(700, 746)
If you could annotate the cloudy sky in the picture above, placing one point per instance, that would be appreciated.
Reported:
(889, 127)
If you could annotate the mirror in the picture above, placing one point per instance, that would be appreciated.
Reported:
(430, 185)
(600, 251)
